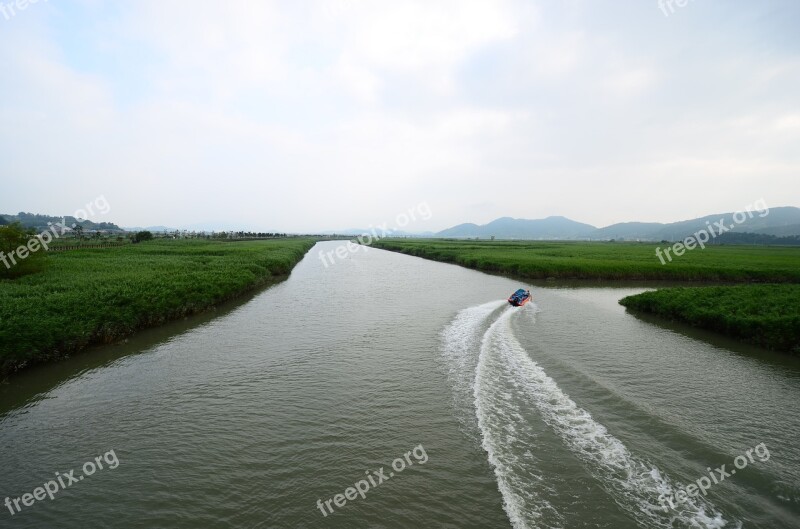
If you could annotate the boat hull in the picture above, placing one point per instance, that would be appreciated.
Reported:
(519, 302)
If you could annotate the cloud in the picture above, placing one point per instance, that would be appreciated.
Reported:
(323, 115)
(631, 82)
(417, 37)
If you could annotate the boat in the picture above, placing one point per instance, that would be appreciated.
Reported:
(520, 297)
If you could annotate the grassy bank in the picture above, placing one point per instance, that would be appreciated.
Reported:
(764, 315)
(604, 260)
(86, 297)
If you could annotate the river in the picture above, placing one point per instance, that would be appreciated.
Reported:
(418, 380)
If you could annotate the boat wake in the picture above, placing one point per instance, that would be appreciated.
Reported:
(495, 383)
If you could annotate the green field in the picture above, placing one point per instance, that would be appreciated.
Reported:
(606, 260)
(86, 297)
(764, 315)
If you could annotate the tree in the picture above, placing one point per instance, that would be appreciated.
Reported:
(142, 236)
(12, 264)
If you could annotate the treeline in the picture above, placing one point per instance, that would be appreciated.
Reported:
(246, 235)
(228, 235)
(757, 239)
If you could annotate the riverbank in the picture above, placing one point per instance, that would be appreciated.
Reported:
(763, 315)
(607, 260)
(87, 297)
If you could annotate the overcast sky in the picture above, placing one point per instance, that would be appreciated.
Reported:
(305, 116)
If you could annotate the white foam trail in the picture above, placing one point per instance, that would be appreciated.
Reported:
(461, 350)
(499, 429)
(509, 441)
(633, 484)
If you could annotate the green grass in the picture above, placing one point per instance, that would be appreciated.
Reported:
(86, 297)
(604, 260)
(764, 315)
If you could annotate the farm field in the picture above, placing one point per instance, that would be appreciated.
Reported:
(85, 297)
(607, 260)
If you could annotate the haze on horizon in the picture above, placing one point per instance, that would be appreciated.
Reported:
(310, 116)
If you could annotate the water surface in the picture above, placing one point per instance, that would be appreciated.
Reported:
(569, 412)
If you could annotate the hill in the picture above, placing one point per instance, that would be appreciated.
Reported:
(780, 222)
(510, 228)
(42, 222)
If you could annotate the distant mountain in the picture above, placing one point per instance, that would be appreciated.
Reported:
(773, 223)
(462, 230)
(510, 228)
(780, 222)
(627, 230)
